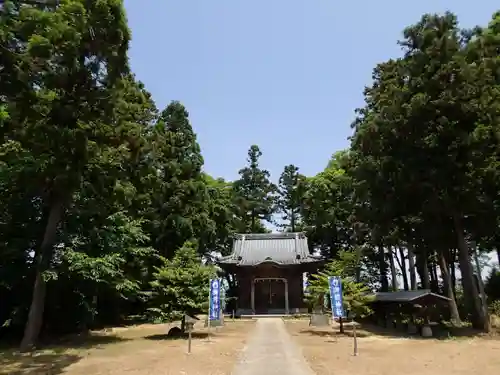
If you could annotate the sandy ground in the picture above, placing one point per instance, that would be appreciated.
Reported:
(388, 355)
(137, 350)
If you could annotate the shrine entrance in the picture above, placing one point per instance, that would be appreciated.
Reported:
(270, 296)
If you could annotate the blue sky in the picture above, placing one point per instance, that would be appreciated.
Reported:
(283, 74)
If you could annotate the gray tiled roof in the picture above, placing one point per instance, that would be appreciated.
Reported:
(406, 295)
(280, 248)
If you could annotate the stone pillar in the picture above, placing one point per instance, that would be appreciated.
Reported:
(252, 295)
(287, 308)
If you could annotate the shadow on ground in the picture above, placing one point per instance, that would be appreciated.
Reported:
(325, 332)
(180, 336)
(439, 332)
(83, 341)
(53, 356)
(36, 363)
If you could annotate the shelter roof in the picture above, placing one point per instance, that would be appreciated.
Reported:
(407, 296)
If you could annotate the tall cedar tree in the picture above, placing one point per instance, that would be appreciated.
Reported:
(180, 194)
(221, 211)
(61, 77)
(104, 270)
(291, 189)
(254, 194)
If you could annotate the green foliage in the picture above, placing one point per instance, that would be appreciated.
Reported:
(254, 195)
(425, 147)
(327, 207)
(290, 191)
(494, 308)
(4, 115)
(95, 183)
(107, 266)
(356, 295)
(181, 285)
(221, 212)
(492, 285)
(178, 209)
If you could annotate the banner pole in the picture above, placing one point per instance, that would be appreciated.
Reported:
(209, 308)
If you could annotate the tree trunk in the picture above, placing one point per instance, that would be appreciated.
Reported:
(292, 220)
(448, 288)
(453, 277)
(423, 269)
(43, 258)
(384, 282)
(496, 246)
(471, 294)
(183, 323)
(434, 277)
(433, 281)
(453, 274)
(402, 265)
(394, 276)
(411, 268)
(358, 274)
(252, 223)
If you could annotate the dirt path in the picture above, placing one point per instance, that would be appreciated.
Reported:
(271, 351)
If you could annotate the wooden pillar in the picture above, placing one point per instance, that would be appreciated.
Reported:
(287, 309)
(252, 295)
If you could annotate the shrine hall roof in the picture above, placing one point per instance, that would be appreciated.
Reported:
(279, 248)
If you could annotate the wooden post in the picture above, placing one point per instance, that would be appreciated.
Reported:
(208, 316)
(355, 338)
(221, 318)
(333, 327)
(252, 295)
(287, 307)
(189, 339)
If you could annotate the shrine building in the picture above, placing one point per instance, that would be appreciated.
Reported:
(269, 270)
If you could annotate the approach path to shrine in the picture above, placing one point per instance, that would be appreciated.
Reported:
(271, 351)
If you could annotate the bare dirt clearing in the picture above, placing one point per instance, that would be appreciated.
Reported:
(137, 350)
(393, 355)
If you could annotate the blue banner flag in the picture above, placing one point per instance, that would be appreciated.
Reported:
(336, 299)
(223, 287)
(214, 299)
